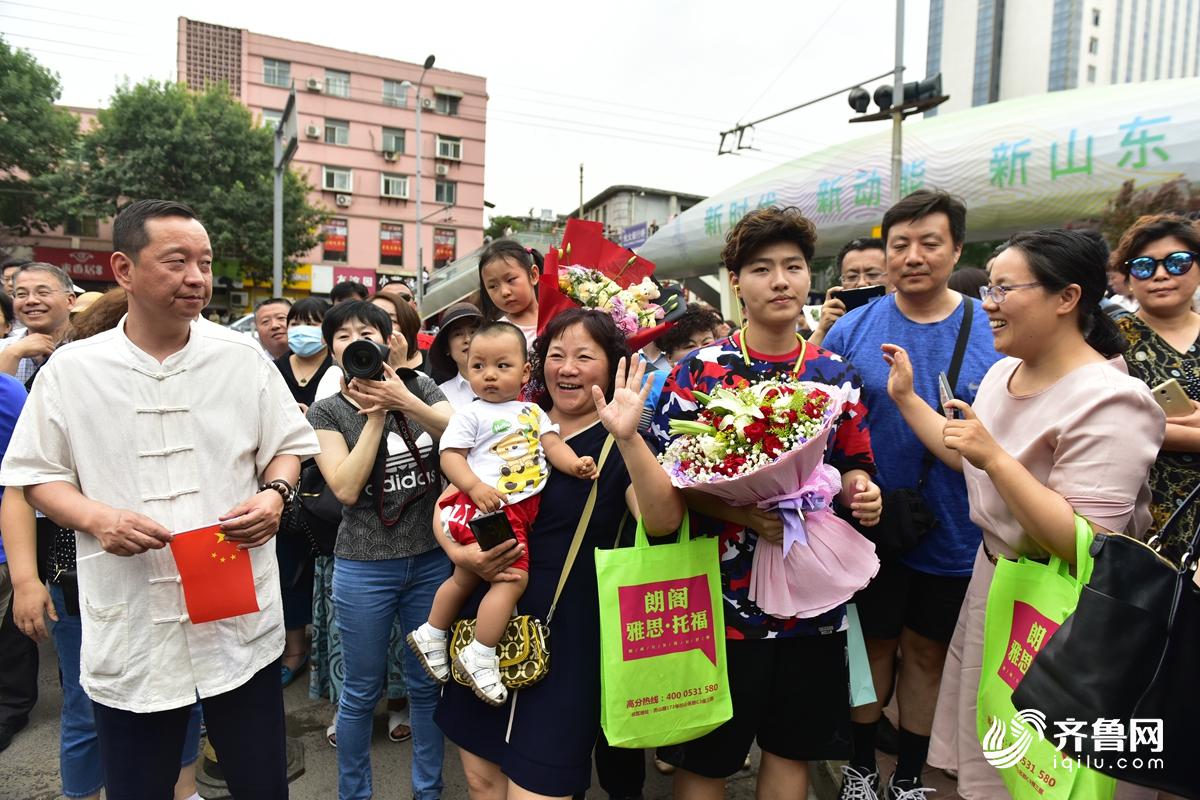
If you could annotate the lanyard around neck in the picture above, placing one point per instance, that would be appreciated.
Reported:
(746, 352)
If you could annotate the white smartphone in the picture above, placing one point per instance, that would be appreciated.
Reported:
(946, 394)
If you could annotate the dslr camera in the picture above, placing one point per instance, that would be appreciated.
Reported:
(364, 359)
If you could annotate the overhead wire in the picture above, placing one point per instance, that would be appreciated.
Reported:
(498, 113)
(373, 61)
(792, 60)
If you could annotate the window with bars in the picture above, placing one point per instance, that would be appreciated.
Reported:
(394, 186)
(337, 131)
(446, 104)
(337, 83)
(449, 147)
(445, 192)
(393, 140)
(337, 179)
(395, 93)
(277, 73)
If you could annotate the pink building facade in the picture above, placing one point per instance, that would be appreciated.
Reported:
(357, 145)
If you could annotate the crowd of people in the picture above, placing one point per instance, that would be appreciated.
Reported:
(1050, 351)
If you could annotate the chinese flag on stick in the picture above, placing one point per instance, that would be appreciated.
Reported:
(218, 581)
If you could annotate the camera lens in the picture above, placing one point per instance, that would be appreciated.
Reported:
(364, 359)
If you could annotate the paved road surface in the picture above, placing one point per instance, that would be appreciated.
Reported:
(29, 768)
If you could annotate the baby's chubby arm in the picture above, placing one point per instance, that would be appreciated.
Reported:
(563, 458)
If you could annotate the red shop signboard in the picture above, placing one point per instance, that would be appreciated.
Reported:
(81, 265)
(364, 276)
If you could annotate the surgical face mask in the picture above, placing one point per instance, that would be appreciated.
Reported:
(305, 340)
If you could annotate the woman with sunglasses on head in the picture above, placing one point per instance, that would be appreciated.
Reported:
(1158, 255)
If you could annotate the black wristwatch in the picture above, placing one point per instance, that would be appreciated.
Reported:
(285, 489)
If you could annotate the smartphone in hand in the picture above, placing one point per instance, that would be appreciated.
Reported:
(1172, 399)
(945, 395)
(853, 298)
(491, 529)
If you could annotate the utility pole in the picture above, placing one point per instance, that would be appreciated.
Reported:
(581, 190)
(285, 148)
(898, 103)
(420, 283)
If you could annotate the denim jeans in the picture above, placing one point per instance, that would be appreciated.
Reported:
(78, 748)
(367, 596)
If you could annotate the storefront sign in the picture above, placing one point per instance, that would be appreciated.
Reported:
(364, 276)
(81, 265)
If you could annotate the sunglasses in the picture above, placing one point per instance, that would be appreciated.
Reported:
(1144, 267)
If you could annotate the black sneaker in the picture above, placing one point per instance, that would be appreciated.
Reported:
(858, 785)
(906, 790)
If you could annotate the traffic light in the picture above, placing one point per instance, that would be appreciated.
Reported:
(918, 96)
(914, 92)
(860, 99)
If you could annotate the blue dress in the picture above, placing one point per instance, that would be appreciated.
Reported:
(554, 724)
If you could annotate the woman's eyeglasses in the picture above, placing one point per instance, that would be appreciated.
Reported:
(1144, 267)
(997, 293)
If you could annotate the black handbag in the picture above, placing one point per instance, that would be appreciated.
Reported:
(314, 512)
(906, 517)
(1130, 654)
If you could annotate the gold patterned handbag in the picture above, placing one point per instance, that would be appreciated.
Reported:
(524, 657)
(524, 648)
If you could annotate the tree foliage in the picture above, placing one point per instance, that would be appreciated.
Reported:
(1175, 197)
(500, 226)
(201, 148)
(35, 137)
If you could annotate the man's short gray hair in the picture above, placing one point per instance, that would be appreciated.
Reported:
(40, 266)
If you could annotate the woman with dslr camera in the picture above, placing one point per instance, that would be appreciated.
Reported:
(378, 455)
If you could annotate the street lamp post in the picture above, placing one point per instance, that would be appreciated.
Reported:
(420, 283)
(898, 100)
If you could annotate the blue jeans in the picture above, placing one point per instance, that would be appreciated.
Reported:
(78, 748)
(367, 596)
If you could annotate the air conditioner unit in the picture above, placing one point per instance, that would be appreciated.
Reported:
(343, 200)
(239, 299)
(442, 169)
(390, 155)
(312, 132)
(314, 85)
(427, 103)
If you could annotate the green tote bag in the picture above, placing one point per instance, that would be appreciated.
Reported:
(662, 641)
(1026, 604)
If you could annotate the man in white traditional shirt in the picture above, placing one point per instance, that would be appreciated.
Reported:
(196, 427)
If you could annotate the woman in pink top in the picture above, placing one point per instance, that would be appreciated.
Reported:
(1058, 428)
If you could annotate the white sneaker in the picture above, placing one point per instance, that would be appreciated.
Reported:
(906, 790)
(857, 785)
(483, 673)
(432, 653)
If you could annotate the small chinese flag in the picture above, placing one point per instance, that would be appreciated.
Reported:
(218, 581)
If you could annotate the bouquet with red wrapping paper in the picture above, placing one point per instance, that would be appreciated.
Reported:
(764, 444)
(588, 270)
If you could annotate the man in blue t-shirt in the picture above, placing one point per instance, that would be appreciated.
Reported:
(913, 603)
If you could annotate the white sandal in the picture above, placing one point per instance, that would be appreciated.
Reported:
(432, 654)
(399, 719)
(483, 673)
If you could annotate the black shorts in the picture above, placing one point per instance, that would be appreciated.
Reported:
(901, 597)
(791, 694)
